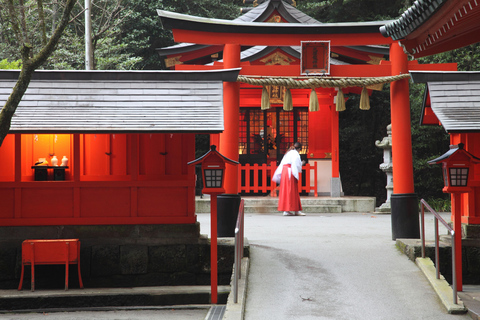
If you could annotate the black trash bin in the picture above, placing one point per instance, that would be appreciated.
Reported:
(227, 212)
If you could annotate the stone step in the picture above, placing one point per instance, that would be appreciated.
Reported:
(305, 209)
(310, 204)
(51, 300)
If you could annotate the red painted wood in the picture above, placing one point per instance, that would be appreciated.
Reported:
(401, 131)
(229, 138)
(335, 153)
(113, 192)
(254, 39)
(457, 227)
(45, 252)
(267, 171)
(7, 161)
(213, 249)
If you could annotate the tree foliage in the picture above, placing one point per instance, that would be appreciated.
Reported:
(353, 10)
(5, 64)
(25, 23)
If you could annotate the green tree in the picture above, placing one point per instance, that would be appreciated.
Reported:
(4, 64)
(34, 50)
(143, 33)
(352, 10)
(359, 157)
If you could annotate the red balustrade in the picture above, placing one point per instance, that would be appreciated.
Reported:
(256, 179)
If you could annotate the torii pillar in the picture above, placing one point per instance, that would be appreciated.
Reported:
(228, 145)
(404, 202)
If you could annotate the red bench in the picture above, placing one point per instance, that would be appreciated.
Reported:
(59, 251)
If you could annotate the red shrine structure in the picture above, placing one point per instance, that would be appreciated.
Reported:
(127, 136)
(451, 98)
(266, 42)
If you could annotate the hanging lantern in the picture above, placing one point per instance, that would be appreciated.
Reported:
(364, 100)
(287, 101)
(265, 103)
(340, 100)
(313, 104)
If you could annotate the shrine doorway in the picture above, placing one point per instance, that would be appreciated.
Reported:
(266, 135)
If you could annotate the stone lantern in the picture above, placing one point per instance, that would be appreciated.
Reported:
(387, 167)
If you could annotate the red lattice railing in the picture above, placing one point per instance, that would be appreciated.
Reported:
(256, 179)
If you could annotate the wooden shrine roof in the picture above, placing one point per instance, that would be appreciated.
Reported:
(172, 20)
(260, 16)
(264, 10)
(454, 98)
(119, 101)
(433, 26)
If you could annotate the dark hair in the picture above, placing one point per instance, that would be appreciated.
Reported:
(297, 145)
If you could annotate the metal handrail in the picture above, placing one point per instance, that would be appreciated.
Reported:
(239, 237)
(437, 251)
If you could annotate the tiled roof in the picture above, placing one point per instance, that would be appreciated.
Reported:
(454, 98)
(261, 12)
(411, 19)
(104, 101)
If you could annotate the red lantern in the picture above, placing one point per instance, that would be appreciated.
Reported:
(457, 165)
(213, 170)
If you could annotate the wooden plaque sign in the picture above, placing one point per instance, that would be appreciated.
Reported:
(315, 57)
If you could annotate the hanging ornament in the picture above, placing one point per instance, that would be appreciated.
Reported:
(265, 103)
(364, 100)
(313, 104)
(287, 101)
(340, 100)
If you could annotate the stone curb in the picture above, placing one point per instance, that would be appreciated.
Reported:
(441, 286)
(236, 311)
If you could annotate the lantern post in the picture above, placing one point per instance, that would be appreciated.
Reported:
(457, 166)
(213, 174)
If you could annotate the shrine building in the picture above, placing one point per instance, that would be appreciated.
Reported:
(256, 84)
(270, 106)
(451, 100)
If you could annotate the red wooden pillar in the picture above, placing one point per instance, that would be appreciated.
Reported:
(231, 108)
(213, 249)
(457, 227)
(404, 202)
(335, 185)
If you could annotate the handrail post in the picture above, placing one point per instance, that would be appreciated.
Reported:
(238, 255)
(423, 230)
(437, 245)
(437, 249)
(454, 269)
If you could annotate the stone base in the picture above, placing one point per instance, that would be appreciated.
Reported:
(470, 231)
(120, 256)
(336, 187)
(470, 256)
(385, 208)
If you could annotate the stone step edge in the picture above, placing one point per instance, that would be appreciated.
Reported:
(93, 297)
(441, 286)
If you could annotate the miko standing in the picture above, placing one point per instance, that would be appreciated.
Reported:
(287, 175)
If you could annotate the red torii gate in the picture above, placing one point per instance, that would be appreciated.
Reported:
(233, 34)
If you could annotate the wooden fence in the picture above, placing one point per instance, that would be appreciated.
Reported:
(257, 178)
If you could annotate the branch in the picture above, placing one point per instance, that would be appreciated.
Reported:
(13, 20)
(28, 67)
(41, 17)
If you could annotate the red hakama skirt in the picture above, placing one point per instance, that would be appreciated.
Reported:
(288, 197)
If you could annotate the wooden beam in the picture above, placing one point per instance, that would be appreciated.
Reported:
(255, 39)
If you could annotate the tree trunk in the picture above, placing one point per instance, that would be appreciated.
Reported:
(28, 68)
